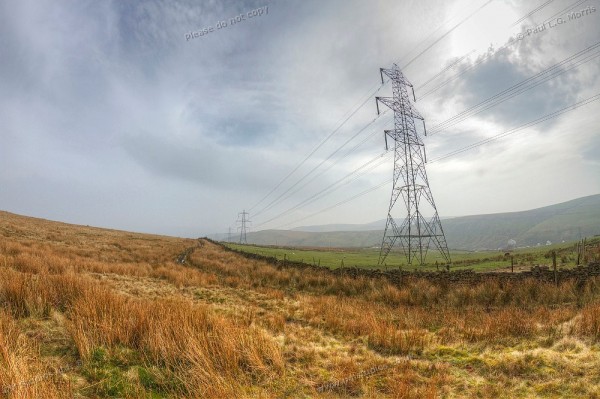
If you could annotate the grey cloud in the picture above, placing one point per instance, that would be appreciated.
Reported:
(108, 115)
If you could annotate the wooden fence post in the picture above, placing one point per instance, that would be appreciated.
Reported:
(554, 267)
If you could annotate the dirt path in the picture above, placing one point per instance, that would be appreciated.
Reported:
(301, 343)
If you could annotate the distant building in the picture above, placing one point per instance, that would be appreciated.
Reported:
(548, 242)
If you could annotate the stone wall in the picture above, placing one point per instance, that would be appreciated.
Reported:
(398, 277)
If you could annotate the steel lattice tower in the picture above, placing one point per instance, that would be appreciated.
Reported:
(415, 234)
(243, 228)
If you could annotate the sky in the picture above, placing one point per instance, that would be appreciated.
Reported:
(123, 115)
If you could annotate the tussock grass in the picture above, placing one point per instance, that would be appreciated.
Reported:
(26, 295)
(143, 325)
(208, 353)
(589, 323)
(22, 375)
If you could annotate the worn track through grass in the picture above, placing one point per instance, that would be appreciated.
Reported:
(97, 313)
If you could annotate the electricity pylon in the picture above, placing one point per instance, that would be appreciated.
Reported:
(415, 233)
(243, 226)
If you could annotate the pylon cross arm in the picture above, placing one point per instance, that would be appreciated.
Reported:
(398, 107)
(415, 234)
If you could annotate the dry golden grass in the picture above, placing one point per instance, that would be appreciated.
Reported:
(101, 313)
(589, 324)
(207, 353)
(22, 374)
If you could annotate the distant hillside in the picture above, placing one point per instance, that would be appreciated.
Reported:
(316, 239)
(378, 225)
(555, 223)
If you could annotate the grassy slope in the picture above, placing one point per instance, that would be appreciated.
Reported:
(479, 261)
(565, 221)
(96, 313)
(555, 223)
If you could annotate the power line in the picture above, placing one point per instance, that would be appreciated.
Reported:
(334, 187)
(531, 13)
(487, 56)
(415, 234)
(369, 96)
(318, 146)
(331, 165)
(454, 153)
(520, 127)
(444, 70)
(459, 74)
(577, 3)
(445, 34)
(517, 89)
(324, 192)
(462, 58)
(432, 33)
(277, 200)
(338, 204)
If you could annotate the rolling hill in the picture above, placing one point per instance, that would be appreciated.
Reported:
(96, 313)
(566, 221)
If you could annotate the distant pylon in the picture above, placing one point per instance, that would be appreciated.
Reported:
(415, 233)
(243, 221)
(229, 235)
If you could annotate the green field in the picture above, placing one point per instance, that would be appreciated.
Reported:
(475, 260)
(565, 222)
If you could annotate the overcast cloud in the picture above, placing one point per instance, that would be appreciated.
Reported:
(110, 117)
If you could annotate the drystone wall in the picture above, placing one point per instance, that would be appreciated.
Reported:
(400, 277)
